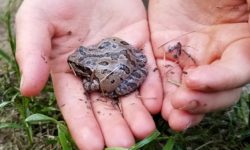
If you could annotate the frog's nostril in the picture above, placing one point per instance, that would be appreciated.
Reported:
(113, 81)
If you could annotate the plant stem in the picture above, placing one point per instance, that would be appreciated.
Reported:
(11, 37)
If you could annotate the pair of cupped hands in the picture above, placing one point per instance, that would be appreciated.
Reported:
(218, 32)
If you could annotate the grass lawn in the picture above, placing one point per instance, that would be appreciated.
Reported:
(36, 123)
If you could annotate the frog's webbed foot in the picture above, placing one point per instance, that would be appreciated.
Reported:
(91, 85)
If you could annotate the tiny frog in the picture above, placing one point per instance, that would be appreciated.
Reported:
(112, 66)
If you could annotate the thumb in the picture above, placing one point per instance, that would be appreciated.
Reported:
(230, 71)
(33, 45)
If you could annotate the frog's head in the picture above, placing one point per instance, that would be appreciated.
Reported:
(76, 63)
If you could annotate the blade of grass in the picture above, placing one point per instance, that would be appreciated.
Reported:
(140, 144)
(5, 56)
(29, 132)
(204, 145)
(64, 137)
(26, 111)
(245, 134)
(35, 118)
(10, 125)
(23, 109)
(3, 104)
(145, 141)
(116, 148)
(170, 144)
(247, 147)
(13, 98)
(11, 37)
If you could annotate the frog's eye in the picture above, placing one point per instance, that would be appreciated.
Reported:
(82, 71)
(104, 45)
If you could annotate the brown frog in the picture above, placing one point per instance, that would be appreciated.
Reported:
(112, 66)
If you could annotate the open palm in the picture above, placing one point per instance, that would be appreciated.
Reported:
(49, 31)
(216, 35)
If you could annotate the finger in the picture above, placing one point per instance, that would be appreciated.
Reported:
(138, 118)
(77, 111)
(33, 46)
(180, 120)
(151, 90)
(151, 97)
(201, 102)
(170, 75)
(231, 71)
(115, 129)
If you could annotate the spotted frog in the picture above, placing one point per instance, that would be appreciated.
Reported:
(112, 66)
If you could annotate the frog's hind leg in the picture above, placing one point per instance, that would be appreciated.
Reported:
(132, 82)
(142, 59)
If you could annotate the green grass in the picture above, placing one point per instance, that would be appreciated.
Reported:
(36, 123)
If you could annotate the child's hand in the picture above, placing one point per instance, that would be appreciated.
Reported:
(49, 31)
(216, 34)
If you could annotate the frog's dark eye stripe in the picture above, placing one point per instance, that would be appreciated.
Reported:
(124, 43)
(84, 71)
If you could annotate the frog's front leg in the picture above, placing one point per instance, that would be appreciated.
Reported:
(91, 84)
(132, 82)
